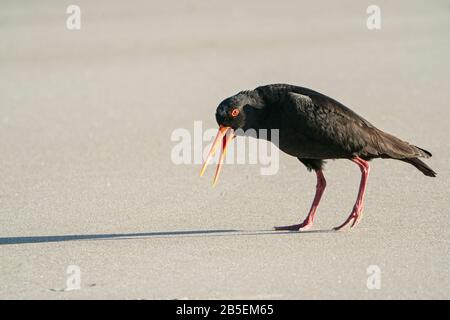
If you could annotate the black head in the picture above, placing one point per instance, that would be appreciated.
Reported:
(240, 111)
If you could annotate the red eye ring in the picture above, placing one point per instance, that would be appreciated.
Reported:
(235, 113)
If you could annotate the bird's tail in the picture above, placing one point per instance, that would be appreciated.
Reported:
(392, 147)
(395, 148)
(422, 166)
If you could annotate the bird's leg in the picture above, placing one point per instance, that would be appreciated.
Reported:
(355, 216)
(307, 224)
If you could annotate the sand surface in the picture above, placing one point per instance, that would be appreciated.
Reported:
(86, 176)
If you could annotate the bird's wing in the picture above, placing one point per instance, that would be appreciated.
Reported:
(329, 122)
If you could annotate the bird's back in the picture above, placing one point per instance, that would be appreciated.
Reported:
(317, 126)
(279, 92)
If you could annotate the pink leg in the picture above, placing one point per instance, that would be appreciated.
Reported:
(355, 216)
(307, 224)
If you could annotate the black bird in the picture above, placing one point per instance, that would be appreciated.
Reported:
(313, 128)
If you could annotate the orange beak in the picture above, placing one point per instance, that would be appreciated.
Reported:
(222, 134)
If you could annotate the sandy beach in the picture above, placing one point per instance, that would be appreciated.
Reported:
(86, 177)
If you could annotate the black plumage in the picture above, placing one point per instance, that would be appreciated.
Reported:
(314, 127)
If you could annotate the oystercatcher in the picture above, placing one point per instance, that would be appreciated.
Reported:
(313, 128)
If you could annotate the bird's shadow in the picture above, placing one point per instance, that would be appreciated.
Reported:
(146, 235)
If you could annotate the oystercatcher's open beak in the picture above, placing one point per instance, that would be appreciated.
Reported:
(222, 134)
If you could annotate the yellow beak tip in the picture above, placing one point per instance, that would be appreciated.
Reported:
(221, 134)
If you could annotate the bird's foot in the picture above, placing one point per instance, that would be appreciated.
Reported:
(306, 225)
(353, 219)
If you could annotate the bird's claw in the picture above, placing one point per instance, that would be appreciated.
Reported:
(354, 219)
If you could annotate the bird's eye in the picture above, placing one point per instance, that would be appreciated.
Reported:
(235, 113)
